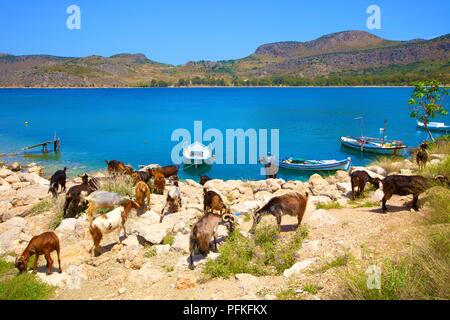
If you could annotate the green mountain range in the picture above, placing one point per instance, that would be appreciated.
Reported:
(343, 58)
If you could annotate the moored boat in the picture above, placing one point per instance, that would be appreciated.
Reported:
(197, 154)
(434, 126)
(374, 145)
(315, 165)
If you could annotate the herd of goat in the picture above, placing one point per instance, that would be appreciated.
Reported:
(216, 212)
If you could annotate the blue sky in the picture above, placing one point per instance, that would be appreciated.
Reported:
(177, 31)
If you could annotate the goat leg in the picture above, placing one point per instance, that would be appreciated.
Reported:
(59, 260)
(36, 258)
(215, 243)
(48, 257)
(414, 204)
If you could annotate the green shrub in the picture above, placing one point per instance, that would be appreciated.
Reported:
(422, 274)
(168, 239)
(235, 256)
(56, 221)
(265, 253)
(44, 205)
(288, 294)
(336, 263)
(394, 276)
(390, 164)
(311, 288)
(330, 205)
(121, 184)
(441, 168)
(24, 286)
(5, 266)
(150, 252)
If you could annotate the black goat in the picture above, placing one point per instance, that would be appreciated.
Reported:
(422, 156)
(406, 185)
(204, 179)
(58, 179)
(76, 194)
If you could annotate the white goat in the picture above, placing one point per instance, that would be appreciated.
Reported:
(103, 199)
(109, 222)
(173, 200)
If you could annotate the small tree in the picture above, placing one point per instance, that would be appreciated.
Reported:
(425, 102)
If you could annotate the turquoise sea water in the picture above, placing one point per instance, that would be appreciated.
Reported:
(135, 125)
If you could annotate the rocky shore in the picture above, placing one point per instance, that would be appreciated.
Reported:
(151, 263)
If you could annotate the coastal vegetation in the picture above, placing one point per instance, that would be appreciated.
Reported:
(24, 286)
(424, 272)
(267, 253)
(426, 102)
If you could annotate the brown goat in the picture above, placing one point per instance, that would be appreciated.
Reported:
(118, 167)
(159, 182)
(422, 156)
(142, 193)
(167, 171)
(213, 201)
(140, 176)
(406, 185)
(45, 244)
(359, 179)
(109, 222)
(204, 179)
(293, 204)
(205, 229)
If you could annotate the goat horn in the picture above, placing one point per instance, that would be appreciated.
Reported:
(226, 217)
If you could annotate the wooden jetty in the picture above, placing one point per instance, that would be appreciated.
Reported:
(56, 142)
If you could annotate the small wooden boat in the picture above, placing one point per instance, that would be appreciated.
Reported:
(315, 165)
(434, 126)
(196, 154)
(374, 145)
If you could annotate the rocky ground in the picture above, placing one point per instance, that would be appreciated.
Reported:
(144, 268)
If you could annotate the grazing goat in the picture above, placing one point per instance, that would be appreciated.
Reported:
(103, 199)
(140, 176)
(58, 179)
(142, 193)
(159, 182)
(76, 194)
(422, 156)
(109, 222)
(173, 200)
(292, 203)
(45, 244)
(406, 185)
(205, 229)
(115, 167)
(204, 179)
(167, 171)
(213, 201)
(359, 179)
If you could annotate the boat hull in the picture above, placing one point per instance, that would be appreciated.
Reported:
(393, 151)
(330, 166)
(443, 129)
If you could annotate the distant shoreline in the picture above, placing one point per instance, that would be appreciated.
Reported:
(209, 87)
